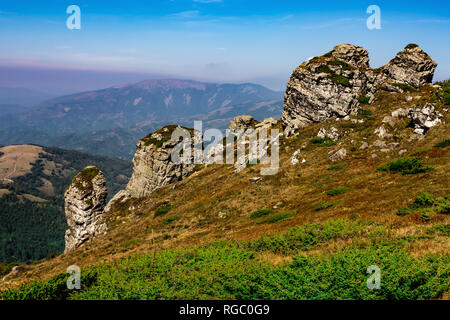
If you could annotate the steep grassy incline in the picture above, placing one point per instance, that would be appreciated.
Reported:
(310, 231)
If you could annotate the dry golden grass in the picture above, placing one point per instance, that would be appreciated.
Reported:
(17, 160)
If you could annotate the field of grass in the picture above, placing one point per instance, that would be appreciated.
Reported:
(237, 270)
(308, 232)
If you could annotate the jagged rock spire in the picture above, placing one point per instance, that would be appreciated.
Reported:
(85, 200)
(333, 84)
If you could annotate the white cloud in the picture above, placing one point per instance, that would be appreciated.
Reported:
(187, 14)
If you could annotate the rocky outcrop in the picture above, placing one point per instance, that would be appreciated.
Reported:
(85, 200)
(153, 166)
(339, 155)
(354, 55)
(332, 134)
(15, 272)
(334, 84)
(412, 66)
(424, 118)
(242, 123)
(121, 196)
(267, 123)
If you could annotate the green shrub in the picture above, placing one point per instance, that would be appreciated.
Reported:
(229, 269)
(323, 142)
(425, 203)
(6, 268)
(368, 114)
(342, 64)
(163, 210)
(261, 213)
(278, 217)
(440, 230)
(170, 220)
(421, 151)
(404, 211)
(405, 87)
(405, 166)
(443, 144)
(317, 140)
(337, 79)
(324, 69)
(305, 237)
(447, 99)
(323, 206)
(364, 99)
(336, 191)
(336, 166)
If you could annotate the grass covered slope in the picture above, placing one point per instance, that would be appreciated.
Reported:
(239, 270)
(32, 184)
(308, 232)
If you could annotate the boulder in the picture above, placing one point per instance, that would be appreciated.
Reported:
(422, 119)
(339, 155)
(354, 55)
(364, 146)
(400, 113)
(153, 166)
(267, 123)
(332, 134)
(332, 85)
(15, 272)
(85, 201)
(412, 66)
(382, 132)
(121, 196)
(242, 123)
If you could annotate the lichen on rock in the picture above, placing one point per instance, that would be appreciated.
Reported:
(335, 84)
(152, 163)
(85, 200)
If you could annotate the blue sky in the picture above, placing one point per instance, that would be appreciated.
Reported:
(227, 41)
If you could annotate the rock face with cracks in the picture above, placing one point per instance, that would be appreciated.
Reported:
(85, 201)
(336, 83)
(153, 166)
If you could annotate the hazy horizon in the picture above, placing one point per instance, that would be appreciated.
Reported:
(225, 41)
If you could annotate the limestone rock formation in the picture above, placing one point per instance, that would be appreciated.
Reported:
(122, 196)
(422, 119)
(267, 123)
(153, 166)
(339, 155)
(15, 272)
(332, 134)
(354, 55)
(412, 66)
(334, 84)
(85, 200)
(242, 123)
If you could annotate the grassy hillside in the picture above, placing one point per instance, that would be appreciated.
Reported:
(308, 232)
(32, 184)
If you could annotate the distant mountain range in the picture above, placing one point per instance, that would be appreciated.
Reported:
(22, 97)
(110, 121)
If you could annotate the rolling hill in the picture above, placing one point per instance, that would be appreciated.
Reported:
(32, 184)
